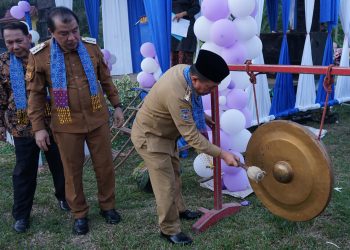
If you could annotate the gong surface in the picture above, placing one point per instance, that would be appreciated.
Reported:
(299, 178)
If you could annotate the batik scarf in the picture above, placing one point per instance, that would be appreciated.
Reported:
(59, 81)
(18, 88)
(197, 105)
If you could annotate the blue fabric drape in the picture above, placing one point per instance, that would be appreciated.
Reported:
(136, 10)
(327, 60)
(284, 96)
(28, 18)
(159, 17)
(329, 11)
(92, 8)
(272, 13)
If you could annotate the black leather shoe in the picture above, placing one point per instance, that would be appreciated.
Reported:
(190, 215)
(179, 238)
(21, 225)
(111, 216)
(63, 205)
(81, 226)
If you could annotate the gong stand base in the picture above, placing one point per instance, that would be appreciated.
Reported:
(210, 217)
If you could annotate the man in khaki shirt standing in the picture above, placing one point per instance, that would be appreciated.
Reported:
(74, 71)
(172, 109)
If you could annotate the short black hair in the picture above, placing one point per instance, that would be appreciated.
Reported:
(194, 71)
(15, 26)
(64, 13)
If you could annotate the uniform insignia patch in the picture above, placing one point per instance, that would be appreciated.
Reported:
(37, 48)
(188, 93)
(89, 40)
(185, 114)
(29, 74)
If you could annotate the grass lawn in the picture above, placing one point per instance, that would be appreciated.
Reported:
(254, 227)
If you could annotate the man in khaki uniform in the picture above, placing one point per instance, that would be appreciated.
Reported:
(74, 71)
(165, 115)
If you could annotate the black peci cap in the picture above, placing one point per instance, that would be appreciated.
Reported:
(212, 66)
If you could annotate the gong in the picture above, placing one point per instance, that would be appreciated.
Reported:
(299, 177)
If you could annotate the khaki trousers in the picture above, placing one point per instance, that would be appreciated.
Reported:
(164, 172)
(71, 147)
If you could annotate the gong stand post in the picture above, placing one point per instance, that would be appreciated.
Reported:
(220, 210)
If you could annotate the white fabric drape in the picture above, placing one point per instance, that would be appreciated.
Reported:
(64, 3)
(116, 35)
(342, 88)
(306, 93)
(262, 87)
(292, 14)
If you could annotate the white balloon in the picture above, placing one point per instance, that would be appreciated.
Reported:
(246, 28)
(157, 74)
(222, 100)
(232, 121)
(202, 28)
(202, 164)
(254, 47)
(149, 65)
(241, 79)
(241, 8)
(224, 83)
(212, 47)
(35, 36)
(240, 141)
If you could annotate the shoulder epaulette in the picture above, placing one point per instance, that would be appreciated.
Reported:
(37, 48)
(89, 40)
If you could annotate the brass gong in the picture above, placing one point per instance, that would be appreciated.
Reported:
(299, 177)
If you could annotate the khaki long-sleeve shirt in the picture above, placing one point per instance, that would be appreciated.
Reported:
(79, 98)
(166, 114)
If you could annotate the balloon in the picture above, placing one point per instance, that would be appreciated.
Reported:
(113, 59)
(106, 54)
(215, 9)
(237, 99)
(157, 74)
(201, 165)
(255, 11)
(145, 80)
(149, 65)
(202, 27)
(235, 55)
(225, 139)
(35, 36)
(24, 5)
(240, 140)
(206, 100)
(232, 121)
(226, 169)
(245, 28)
(248, 117)
(239, 8)
(232, 85)
(236, 182)
(110, 67)
(148, 50)
(212, 47)
(17, 12)
(223, 33)
(224, 83)
(254, 47)
(222, 100)
(230, 169)
(240, 79)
